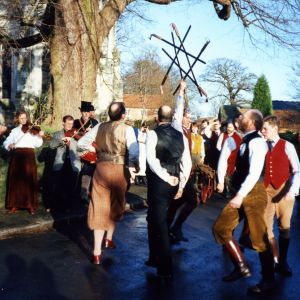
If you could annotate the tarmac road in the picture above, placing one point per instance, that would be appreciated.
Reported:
(55, 264)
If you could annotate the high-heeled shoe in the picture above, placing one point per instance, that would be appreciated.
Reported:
(96, 260)
(109, 244)
(13, 210)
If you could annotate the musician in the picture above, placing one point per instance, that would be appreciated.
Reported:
(117, 160)
(22, 186)
(84, 125)
(66, 166)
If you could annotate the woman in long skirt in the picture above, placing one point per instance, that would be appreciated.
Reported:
(22, 186)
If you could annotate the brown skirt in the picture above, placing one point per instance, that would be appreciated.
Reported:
(110, 183)
(22, 186)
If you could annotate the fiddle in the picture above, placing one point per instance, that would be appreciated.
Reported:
(34, 130)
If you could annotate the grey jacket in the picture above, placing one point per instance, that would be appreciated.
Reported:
(58, 144)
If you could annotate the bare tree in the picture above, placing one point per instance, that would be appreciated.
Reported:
(75, 31)
(231, 81)
(144, 78)
(295, 80)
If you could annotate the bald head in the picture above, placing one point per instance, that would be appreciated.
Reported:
(257, 118)
(165, 114)
(116, 110)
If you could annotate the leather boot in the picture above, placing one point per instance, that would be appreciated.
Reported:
(241, 269)
(274, 247)
(282, 267)
(267, 270)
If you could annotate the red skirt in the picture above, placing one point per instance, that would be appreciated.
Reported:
(22, 186)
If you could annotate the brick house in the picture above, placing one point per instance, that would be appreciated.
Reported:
(142, 107)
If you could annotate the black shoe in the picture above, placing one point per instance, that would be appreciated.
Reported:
(237, 273)
(283, 269)
(177, 235)
(165, 280)
(261, 287)
(151, 263)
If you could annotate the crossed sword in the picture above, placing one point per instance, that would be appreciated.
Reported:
(175, 60)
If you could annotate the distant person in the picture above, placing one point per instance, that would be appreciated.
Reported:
(142, 135)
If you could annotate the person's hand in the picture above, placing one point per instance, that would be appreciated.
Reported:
(220, 187)
(182, 87)
(11, 146)
(41, 133)
(179, 194)
(236, 201)
(289, 197)
(66, 140)
(173, 181)
(132, 172)
(92, 149)
(88, 129)
(2, 129)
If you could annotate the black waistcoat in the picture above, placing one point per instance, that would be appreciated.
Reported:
(242, 164)
(169, 148)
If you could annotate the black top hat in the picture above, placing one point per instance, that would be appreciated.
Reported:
(85, 106)
(92, 108)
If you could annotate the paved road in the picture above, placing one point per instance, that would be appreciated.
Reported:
(55, 264)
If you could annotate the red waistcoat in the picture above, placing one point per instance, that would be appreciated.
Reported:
(232, 157)
(277, 166)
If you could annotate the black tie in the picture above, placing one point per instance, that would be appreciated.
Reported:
(270, 145)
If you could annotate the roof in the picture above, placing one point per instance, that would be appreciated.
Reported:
(228, 112)
(286, 105)
(150, 101)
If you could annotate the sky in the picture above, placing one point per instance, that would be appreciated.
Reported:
(227, 39)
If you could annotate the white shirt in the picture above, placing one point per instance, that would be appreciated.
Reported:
(257, 152)
(295, 165)
(22, 140)
(151, 142)
(228, 146)
(85, 143)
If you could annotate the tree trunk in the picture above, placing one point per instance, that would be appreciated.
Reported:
(75, 53)
(79, 32)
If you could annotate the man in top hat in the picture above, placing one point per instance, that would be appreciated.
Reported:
(83, 125)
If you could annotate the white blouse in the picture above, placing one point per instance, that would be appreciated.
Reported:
(22, 140)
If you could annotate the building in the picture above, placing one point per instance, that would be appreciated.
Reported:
(142, 107)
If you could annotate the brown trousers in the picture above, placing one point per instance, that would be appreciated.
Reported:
(110, 183)
(253, 209)
(278, 207)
